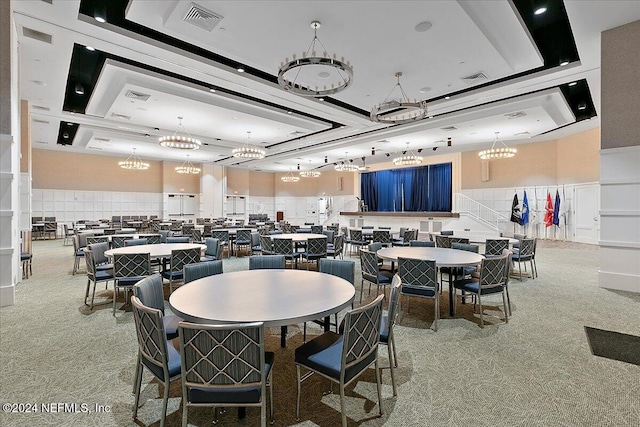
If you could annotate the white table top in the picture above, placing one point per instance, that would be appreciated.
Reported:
(275, 297)
(101, 230)
(160, 250)
(297, 237)
(443, 257)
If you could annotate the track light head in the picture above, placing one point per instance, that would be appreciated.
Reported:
(387, 154)
(373, 151)
(435, 148)
(326, 160)
(448, 142)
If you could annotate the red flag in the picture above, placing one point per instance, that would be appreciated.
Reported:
(548, 216)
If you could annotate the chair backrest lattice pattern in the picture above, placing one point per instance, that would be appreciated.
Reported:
(182, 257)
(361, 332)
(317, 246)
(526, 247)
(221, 235)
(283, 246)
(369, 265)
(443, 241)
(459, 240)
(382, 236)
(495, 247)
(196, 235)
(131, 265)
(118, 241)
(243, 236)
(355, 235)
(222, 355)
(91, 264)
(152, 342)
(97, 239)
(492, 272)
(153, 239)
(418, 272)
(316, 229)
(266, 244)
(409, 235)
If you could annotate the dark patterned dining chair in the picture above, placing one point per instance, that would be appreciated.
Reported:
(422, 243)
(128, 270)
(443, 241)
(94, 275)
(178, 239)
(285, 247)
(343, 358)
(256, 248)
(243, 240)
(494, 247)
(419, 279)
(136, 242)
(316, 229)
(524, 255)
(155, 354)
(180, 258)
(225, 365)
(316, 249)
(382, 236)
(78, 254)
(266, 262)
(492, 279)
(356, 239)
(97, 239)
(371, 272)
(266, 244)
(223, 238)
(202, 269)
(196, 235)
(337, 248)
(407, 237)
(386, 328)
(153, 239)
(118, 241)
(150, 293)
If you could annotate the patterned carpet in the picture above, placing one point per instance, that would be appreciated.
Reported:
(536, 370)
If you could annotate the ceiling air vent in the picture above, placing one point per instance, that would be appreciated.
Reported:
(120, 116)
(44, 122)
(515, 115)
(475, 78)
(40, 107)
(95, 148)
(41, 142)
(102, 139)
(450, 128)
(202, 17)
(521, 133)
(36, 35)
(137, 95)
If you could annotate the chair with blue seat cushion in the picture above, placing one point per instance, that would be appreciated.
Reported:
(343, 358)
(356, 239)
(94, 275)
(154, 353)
(223, 239)
(316, 249)
(154, 239)
(330, 237)
(339, 268)
(97, 239)
(422, 243)
(419, 279)
(371, 272)
(493, 279)
(101, 260)
(202, 269)
(465, 271)
(149, 292)
(136, 242)
(285, 247)
(336, 249)
(317, 229)
(78, 254)
(443, 241)
(383, 237)
(225, 365)
(118, 241)
(386, 328)
(524, 255)
(196, 235)
(494, 247)
(163, 235)
(128, 270)
(180, 258)
(266, 262)
(213, 251)
(243, 240)
(178, 239)
(266, 245)
(256, 248)
(407, 237)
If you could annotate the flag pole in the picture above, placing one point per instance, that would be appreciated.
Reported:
(564, 214)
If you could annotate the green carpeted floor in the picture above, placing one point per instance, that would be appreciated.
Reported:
(536, 370)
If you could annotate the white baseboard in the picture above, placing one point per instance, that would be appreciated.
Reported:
(7, 295)
(618, 281)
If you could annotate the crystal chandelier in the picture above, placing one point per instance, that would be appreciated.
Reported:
(188, 167)
(310, 173)
(249, 150)
(494, 152)
(408, 158)
(346, 166)
(133, 162)
(290, 177)
(335, 74)
(181, 142)
(399, 110)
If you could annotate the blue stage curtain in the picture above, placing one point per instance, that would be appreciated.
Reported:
(439, 188)
(425, 188)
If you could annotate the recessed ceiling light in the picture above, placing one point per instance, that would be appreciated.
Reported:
(564, 62)
(90, 48)
(431, 117)
(100, 19)
(289, 112)
(425, 89)
(323, 75)
(582, 106)
(212, 90)
(447, 97)
(321, 99)
(540, 10)
(573, 83)
(423, 26)
(240, 69)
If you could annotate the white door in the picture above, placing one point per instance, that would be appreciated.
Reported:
(587, 213)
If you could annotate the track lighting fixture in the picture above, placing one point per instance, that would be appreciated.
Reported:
(449, 142)
(434, 148)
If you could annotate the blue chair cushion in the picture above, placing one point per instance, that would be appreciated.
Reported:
(103, 267)
(172, 274)
(173, 362)
(129, 281)
(471, 285)
(324, 354)
(103, 275)
(422, 291)
(236, 395)
(171, 322)
(25, 256)
(517, 257)
(79, 252)
(207, 258)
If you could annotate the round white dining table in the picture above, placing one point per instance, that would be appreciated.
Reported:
(159, 250)
(443, 257)
(478, 238)
(275, 297)
(297, 237)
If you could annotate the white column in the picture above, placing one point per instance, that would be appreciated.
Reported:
(212, 186)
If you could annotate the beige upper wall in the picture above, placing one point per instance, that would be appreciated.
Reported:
(567, 160)
(330, 183)
(620, 74)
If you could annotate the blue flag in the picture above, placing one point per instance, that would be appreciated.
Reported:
(556, 210)
(524, 219)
